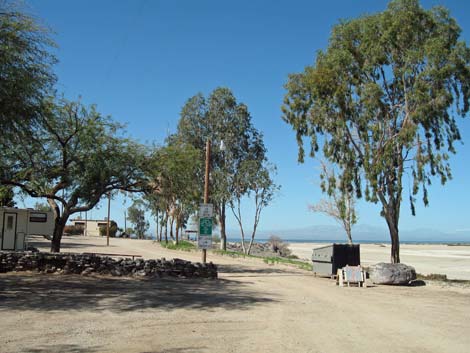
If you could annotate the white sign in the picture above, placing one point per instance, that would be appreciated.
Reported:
(204, 242)
(206, 210)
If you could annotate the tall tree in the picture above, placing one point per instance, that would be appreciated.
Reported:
(26, 75)
(382, 100)
(72, 160)
(176, 176)
(254, 180)
(136, 215)
(220, 117)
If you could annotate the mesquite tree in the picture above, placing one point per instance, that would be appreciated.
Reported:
(73, 158)
(382, 101)
(26, 62)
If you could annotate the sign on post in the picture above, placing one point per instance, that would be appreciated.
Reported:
(204, 240)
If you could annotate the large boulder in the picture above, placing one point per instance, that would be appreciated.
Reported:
(385, 273)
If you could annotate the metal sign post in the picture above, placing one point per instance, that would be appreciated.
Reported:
(205, 227)
(205, 209)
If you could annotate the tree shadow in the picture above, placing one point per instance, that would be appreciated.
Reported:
(243, 271)
(64, 348)
(40, 292)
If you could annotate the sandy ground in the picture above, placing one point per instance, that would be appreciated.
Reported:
(453, 261)
(252, 307)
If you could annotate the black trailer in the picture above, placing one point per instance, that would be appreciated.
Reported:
(328, 259)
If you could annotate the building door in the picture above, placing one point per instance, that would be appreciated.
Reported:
(9, 231)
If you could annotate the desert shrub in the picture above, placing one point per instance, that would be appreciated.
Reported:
(278, 246)
(73, 230)
(113, 228)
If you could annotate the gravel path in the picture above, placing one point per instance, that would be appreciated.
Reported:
(253, 307)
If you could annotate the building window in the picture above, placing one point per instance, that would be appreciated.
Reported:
(38, 217)
(9, 222)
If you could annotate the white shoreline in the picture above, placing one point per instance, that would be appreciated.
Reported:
(453, 261)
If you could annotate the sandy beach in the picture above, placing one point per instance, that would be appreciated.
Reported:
(252, 307)
(453, 261)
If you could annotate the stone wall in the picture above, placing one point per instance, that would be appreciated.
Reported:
(84, 264)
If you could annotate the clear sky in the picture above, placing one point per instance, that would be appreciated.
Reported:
(140, 60)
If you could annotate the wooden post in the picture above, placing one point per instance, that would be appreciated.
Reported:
(107, 223)
(206, 186)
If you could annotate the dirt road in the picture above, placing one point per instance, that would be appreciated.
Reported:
(253, 307)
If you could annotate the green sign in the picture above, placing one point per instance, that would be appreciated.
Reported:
(205, 226)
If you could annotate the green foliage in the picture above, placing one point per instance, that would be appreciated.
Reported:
(113, 228)
(383, 99)
(25, 69)
(288, 261)
(136, 215)
(42, 206)
(182, 245)
(7, 196)
(74, 158)
(74, 230)
(218, 118)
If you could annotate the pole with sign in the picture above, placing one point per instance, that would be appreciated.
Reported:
(205, 226)
(206, 209)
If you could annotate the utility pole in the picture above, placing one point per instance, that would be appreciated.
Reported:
(107, 224)
(206, 186)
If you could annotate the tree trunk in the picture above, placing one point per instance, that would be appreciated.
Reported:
(223, 236)
(172, 221)
(57, 236)
(393, 228)
(156, 223)
(177, 230)
(166, 229)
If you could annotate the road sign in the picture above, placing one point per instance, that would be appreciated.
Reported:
(204, 242)
(205, 226)
(206, 210)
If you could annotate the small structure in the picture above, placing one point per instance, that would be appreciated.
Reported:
(90, 226)
(351, 275)
(328, 259)
(17, 224)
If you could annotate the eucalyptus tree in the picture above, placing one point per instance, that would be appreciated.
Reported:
(136, 215)
(26, 61)
(227, 124)
(176, 178)
(253, 179)
(382, 102)
(73, 158)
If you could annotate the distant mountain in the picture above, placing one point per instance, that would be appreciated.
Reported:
(360, 232)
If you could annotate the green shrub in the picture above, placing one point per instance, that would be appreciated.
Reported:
(182, 245)
(113, 228)
(73, 230)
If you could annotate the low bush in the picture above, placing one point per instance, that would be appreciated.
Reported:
(182, 245)
(73, 230)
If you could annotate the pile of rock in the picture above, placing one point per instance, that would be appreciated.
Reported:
(86, 264)
(262, 249)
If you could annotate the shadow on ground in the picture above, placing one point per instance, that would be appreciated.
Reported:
(63, 348)
(40, 292)
(245, 271)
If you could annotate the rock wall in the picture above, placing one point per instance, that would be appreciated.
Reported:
(84, 264)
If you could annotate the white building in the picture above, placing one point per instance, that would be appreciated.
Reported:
(91, 227)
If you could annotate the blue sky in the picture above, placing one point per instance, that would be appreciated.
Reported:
(140, 60)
